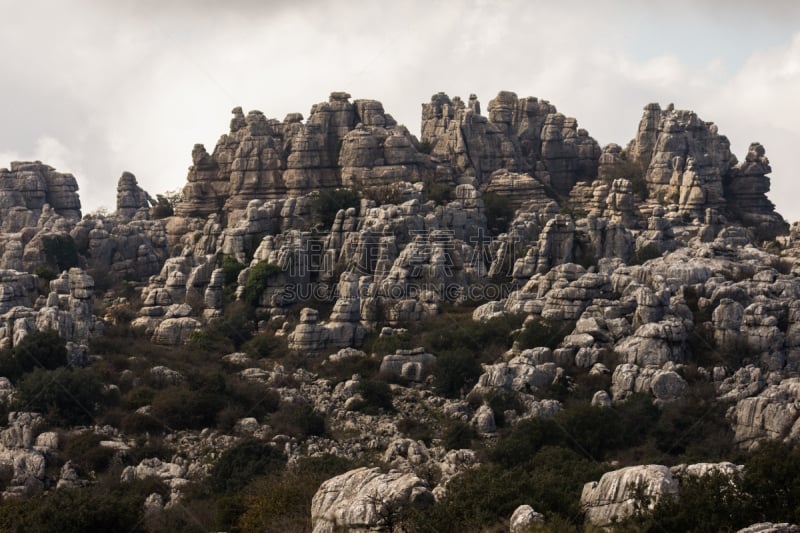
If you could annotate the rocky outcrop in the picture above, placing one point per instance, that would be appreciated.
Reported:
(518, 135)
(614, 497)
(746, 188)
(27, 187)
(412, 365)
(342, 143)
(131, 198)
(365, 500)
(772, 414)
(685, 161)
(524, 519)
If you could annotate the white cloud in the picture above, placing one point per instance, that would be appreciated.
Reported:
(133, 85)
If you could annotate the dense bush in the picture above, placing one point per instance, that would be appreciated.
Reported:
(230, 269)
(458, 332)
(40, 349)
(60, 251)
(455, 373)
(67, 397)
(544, 332)
(376, 397)
(243, 463)
(642, 255)
(282, 501)
(297, 419)
(85, 452)
(184, 408)
(458, 435)
(266, 345)
(499, 212)
(327, 203)
(440, 193)
(767, 491)
(258, 280)
(483, 499)
(102, 507)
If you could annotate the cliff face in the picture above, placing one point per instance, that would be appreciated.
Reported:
(664, 263)
(686, 161)
(27, 187)
(342, 143)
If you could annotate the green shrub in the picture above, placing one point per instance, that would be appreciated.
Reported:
(458, 332)
(297, 419)
(282, 501)
(256, 399)
(376, 397)
(258, 280)
(183, 408)
(415, 429)
(163, 208)
(455, 372)
(499, 212)
(118, 507)
(60, 251)
(458, 435)
(484, 498)
(327, 203)
(67, 397)
(231, 269)
(239, 465)
(266, 345)
(87, 455)
(544, 332)
(40, 349)
(772, 479)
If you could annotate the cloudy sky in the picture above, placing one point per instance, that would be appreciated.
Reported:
(96, 88)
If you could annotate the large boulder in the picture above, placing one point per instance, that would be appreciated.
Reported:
(614, 497)
(366, 500)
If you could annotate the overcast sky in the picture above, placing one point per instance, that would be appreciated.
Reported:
(96, 88)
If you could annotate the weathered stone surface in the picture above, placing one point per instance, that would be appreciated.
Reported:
(517, 135)
(773, 414)
(413, 365)
(130, 197)
(614, 496)
(524, 518)
(365, 500)
(28, 187)
(746, 189)
(770, 527)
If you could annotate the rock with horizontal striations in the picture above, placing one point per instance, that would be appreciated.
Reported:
(175, 331)
(613, 498)
(413, 365)
(365, 499)
(130, 197)
(746, 189)
(28, 187)
(773, 414)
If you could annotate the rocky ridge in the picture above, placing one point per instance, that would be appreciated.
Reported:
(666, 260)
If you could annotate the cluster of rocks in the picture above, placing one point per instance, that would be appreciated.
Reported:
(67, 309)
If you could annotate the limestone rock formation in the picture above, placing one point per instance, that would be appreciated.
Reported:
(130, 197)
(413, 365)
(365, 500)
(27, 187)
(524, 518)
(614, 496)
(746, 188)
(684, 160)
(517, 135)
